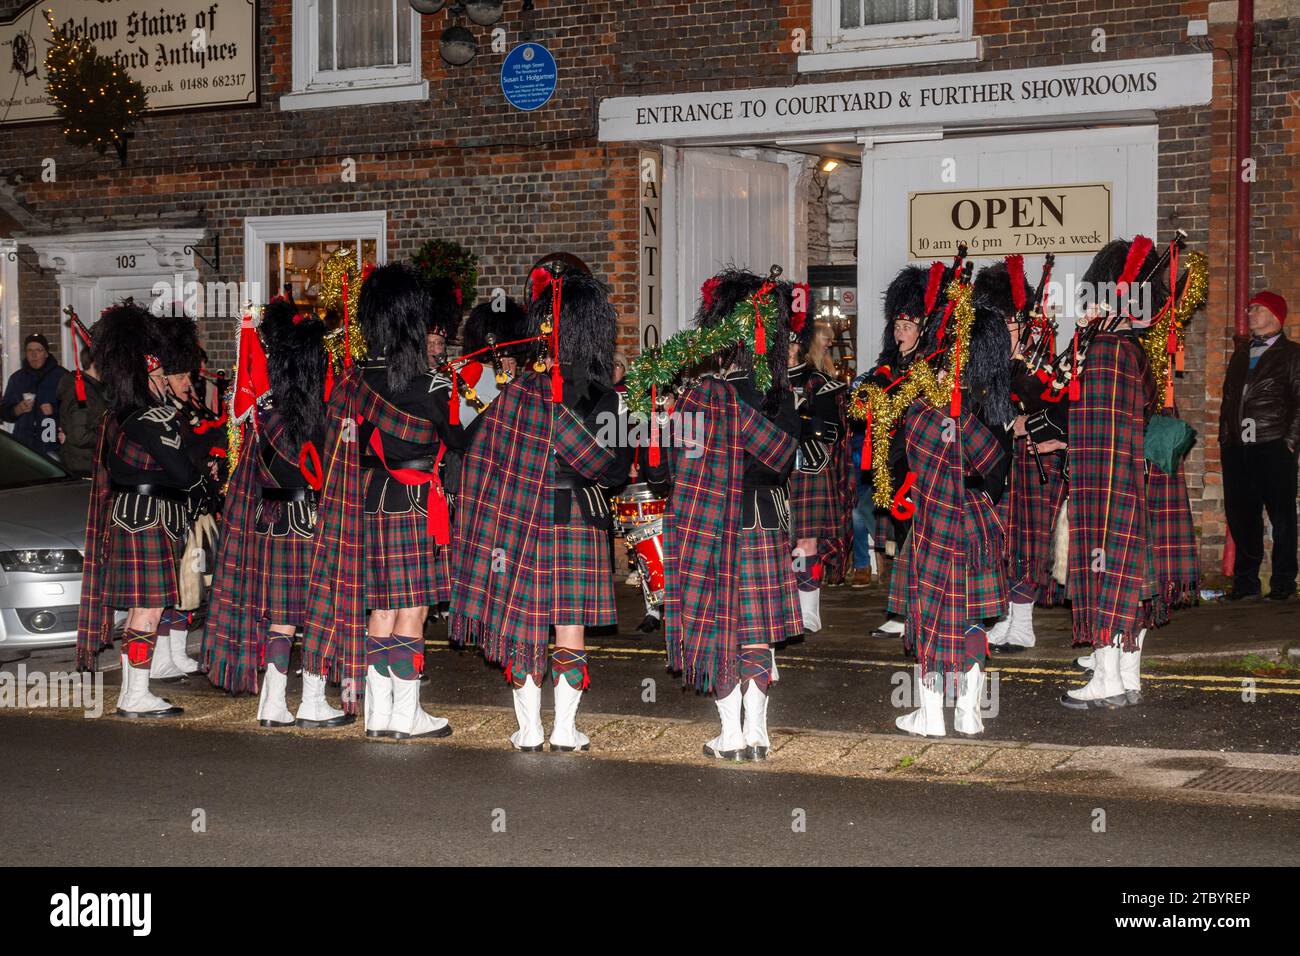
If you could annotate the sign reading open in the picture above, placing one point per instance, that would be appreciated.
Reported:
(1030, 220)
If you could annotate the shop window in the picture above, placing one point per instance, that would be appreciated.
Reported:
(874, 19)
(286, 255)
(349, 52)
(849, 34)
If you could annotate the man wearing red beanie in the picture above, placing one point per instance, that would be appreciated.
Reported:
(1259, 435)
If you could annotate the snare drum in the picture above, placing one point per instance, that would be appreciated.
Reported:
(637, 506)
(647, 543)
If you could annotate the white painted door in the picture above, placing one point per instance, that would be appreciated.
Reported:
(730, 211)
(1125, 157)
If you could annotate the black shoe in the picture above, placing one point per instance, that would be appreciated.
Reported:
(1281, 595)
(1008, 648)
(1235, 595)
(340, 721)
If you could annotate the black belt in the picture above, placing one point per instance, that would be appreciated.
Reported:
(166, 492)
(572, 484)
(288, 494)
(415, 464)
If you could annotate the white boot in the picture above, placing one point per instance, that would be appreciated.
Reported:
(314, 711)
(409, 719)
(998, 632)
(730, 744)
(810, 604)
(379, 703)
(272, 711)
(891, 628)
(528, 711)
(1021, 618)
(1085, 663)
(966, 717)
(1104, 690)
(757, 743)
(135, 699)
(163, 666)
(565, 736)
(926, 720)
(1130, 670)
(180, 657)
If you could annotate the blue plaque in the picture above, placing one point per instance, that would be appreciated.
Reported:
(528, 76)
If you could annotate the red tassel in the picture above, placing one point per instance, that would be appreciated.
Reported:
(453, 410)
(329, 378)
(760, 334)
(652, 454)
(864, 464)
(1074, 369)
(586, 678)
(1178, 360)
(1016, 270)
(557, 378)
(932, 286)
(81, 385)
(956, 385)
(347, 334)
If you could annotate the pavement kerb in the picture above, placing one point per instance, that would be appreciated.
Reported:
(622, 737)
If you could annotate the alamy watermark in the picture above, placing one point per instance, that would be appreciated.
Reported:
(20, 690)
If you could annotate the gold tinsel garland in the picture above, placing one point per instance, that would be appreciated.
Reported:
(343, 263)
(1196, 289)
(884, 409)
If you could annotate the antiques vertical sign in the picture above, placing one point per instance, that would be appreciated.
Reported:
(188, 54)
(649, 233)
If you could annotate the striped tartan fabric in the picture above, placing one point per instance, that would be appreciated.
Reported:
(769, 601)
(896, 602)
(141, 570)
(400, 554)
(504, 544)
(957, 539)
(334, 635)
(582, 583)
(1173, 538)
(1031, 508)
(281, 565)
(95, 615)
(231, 636)
(821, 505)
(1108, 508)
(703, 536)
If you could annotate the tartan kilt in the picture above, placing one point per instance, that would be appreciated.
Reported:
(280, 573)
(141, 570)
(769, 599)
(399, 558)
(582, 583)
(816, 504)
(986, 593)
(896, 603)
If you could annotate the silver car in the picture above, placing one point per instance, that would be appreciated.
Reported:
(42, 538)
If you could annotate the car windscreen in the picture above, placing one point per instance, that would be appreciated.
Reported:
(20, 467)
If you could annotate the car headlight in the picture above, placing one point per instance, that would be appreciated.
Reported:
(42, 561)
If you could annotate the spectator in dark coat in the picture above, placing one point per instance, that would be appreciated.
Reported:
(1259, 438)
(31, 399)
(79, 421)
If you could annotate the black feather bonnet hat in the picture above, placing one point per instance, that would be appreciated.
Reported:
(394, 309)
(295, 363)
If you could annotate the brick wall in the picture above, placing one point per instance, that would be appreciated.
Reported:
(513, 186)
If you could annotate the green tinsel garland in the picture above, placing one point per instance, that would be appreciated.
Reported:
(663, 365)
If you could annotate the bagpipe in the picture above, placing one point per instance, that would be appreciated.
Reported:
(463, 386)
(1037, 341)
(1060, 373)
(82, 335)
(881, 406)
